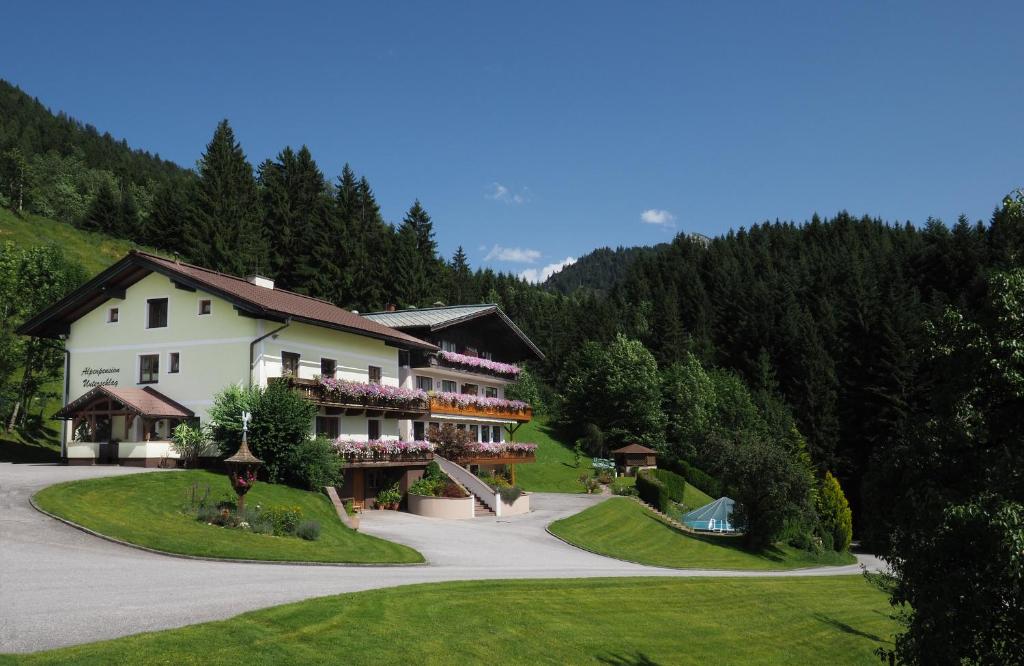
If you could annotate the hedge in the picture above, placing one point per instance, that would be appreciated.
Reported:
(700, 480)
(675, 484)
(652, 490)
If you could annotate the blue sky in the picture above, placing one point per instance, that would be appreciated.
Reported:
(536, 132)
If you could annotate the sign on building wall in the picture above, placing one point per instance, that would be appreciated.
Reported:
(92, 377)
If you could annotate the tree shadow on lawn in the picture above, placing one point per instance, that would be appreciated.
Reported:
(636, 659)
(19, 452)
(847, 629)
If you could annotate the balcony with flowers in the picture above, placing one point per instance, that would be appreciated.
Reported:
(460, 404)
(359, 398)
(500, 452)
(382, 452)
(471, 363)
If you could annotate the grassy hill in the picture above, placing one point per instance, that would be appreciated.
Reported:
(555, 470)
(624, 529)
(92, 250)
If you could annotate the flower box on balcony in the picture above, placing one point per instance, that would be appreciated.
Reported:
(383, 451)
(358, 398)
(477, 364)
(477, 406)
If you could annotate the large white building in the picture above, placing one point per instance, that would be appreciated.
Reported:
(150, 341)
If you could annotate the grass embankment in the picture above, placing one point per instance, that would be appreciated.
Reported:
(624, 529)
(147, 509)
(831, 620)
(555, 470)
(94, 251)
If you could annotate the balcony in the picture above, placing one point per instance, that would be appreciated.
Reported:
(469, 364)
(383, 452)
(458, 404)
(358, 399)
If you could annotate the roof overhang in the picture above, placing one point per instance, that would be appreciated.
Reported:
(55, 320)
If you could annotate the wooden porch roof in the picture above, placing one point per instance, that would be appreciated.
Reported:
(146, 402)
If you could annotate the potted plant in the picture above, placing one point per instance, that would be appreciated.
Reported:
(389, 498)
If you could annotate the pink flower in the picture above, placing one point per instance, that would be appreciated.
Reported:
(480, 363)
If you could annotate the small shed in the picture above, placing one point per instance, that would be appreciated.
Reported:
(634, 457)
(714, 517)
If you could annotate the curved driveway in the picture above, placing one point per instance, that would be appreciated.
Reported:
(60, 586)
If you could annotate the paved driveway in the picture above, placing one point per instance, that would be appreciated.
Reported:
(60, 586)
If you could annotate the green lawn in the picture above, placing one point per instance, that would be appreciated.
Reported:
(624, 529)
(830, 620)
(555, 470)
(146, 509)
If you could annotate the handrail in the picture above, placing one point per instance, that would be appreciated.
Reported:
(470, 482)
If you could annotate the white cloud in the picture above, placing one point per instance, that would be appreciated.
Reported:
(542, 274)
(518, 255)
(504, 194)
(658, 216)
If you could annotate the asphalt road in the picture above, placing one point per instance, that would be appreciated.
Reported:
(60, 586)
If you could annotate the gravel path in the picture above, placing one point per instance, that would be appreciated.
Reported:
(60, 586)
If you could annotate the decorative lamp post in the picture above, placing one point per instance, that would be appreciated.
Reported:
(243, 465)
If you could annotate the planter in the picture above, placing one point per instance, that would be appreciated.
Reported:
(521, 505)
(450, 508)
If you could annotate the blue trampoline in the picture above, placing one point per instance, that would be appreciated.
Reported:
(714, 517)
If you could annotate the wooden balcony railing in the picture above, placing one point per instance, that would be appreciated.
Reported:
(441, 406)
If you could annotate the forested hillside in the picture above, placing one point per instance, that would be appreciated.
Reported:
(820, 325)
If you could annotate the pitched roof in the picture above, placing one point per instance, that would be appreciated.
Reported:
(145, 401)
(635, 448)
(262, 302)
(441, 317)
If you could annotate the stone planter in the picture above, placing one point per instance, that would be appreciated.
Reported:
(451, 508)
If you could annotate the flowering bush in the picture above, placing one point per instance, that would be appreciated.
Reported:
(462, 400)
(377, 394)
(478, 363)
(376, 449)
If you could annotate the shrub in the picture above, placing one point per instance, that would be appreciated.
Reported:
(433, 471)
(206, 513)
(451, 442)
(625, 491)
(591, 485)
(428, 487)
(350, 508)
(452, 489)
(189, 443)
(834, 514)
(674, 484)
(285, 519)
(651, 490)
(389, 496)
(510, 494)
(700, 479)
(605, 477)
(314, 464)
(308, 530)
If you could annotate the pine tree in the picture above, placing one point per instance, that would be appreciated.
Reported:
(164, 227)
(104, 210)
(224, 229)
(295, 207)
(459, 277)
(127, 225)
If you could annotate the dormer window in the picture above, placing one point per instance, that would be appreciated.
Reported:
(205, 306)
(156, 313)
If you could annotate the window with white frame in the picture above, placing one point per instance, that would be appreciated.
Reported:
(490, 392)
(149, 368)
(449, 386)
(205, 306)
(113, 314)
(173, 363)
(424, 383)
(373, 429)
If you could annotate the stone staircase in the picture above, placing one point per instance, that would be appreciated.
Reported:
(481, 510)
(671, 522)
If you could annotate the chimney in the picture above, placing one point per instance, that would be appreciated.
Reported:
(391, 307)
(260, 281)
